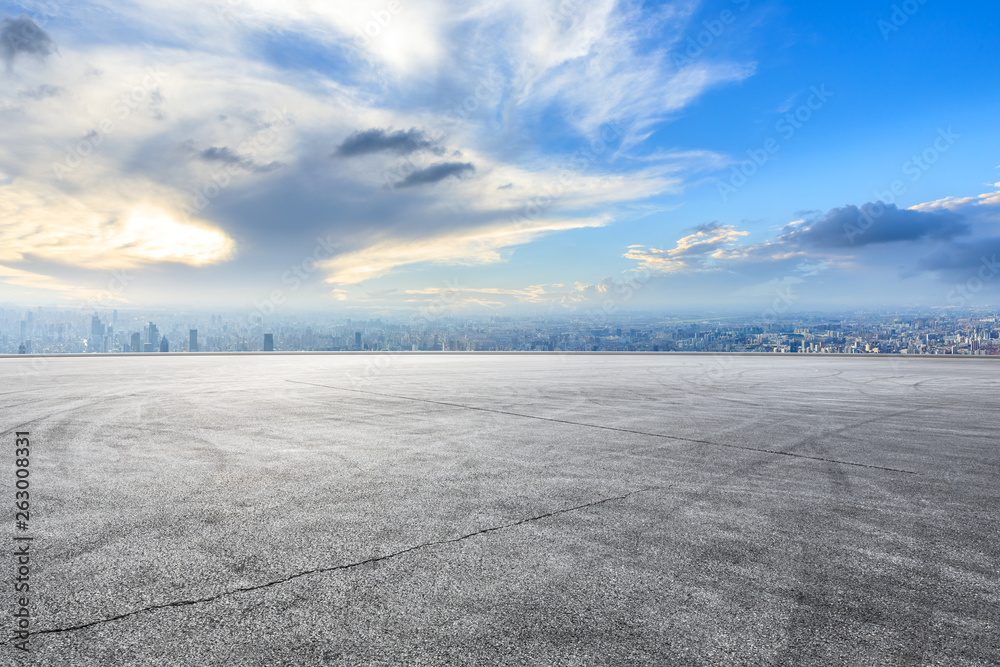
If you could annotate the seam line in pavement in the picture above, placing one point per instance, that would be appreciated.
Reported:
(612, 428)
(334, 568)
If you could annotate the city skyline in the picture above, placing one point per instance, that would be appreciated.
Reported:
(55, 331)
(514, 158)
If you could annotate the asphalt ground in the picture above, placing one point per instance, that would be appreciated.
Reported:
(506, 510)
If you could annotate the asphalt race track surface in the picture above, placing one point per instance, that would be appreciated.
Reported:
(506, 510)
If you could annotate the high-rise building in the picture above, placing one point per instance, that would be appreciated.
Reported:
(24, 329)
(164, 345)
(153, 336)
(193, 343)
(269, 342)
(136, 342)
(357, 339)
(97, 331)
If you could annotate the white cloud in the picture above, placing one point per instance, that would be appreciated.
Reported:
(464, 247)
(959, 204)
(698, 251)
(101, 232)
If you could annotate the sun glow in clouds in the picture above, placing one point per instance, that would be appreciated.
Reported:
(102, 232)
(151, 234)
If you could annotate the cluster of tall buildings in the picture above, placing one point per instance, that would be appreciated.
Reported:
(54, 331)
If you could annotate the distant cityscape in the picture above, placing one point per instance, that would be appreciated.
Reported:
(53, 330)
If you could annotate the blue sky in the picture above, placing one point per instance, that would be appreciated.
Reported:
(500, 157)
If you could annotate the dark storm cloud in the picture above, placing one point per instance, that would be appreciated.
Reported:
(220, 154)
(22, 35)
(225, 155)
(964, 257)
(434, 173)
(41, 92)
(852, 227)
(376, 140)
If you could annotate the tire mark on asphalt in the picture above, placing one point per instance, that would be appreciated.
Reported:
(615, 428)
(335, 568)
(74, 408)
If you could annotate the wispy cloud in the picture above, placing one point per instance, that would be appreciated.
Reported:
(465, 247)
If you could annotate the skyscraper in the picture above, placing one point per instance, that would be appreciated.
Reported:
(357, 339)
(96, 342)
(153, 336)
(193, 343)
(269, 342)
(136, 342)
(164, 345)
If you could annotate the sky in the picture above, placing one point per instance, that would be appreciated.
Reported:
(501, 157)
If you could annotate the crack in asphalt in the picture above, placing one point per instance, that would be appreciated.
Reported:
(334, 568)
(614, 428)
